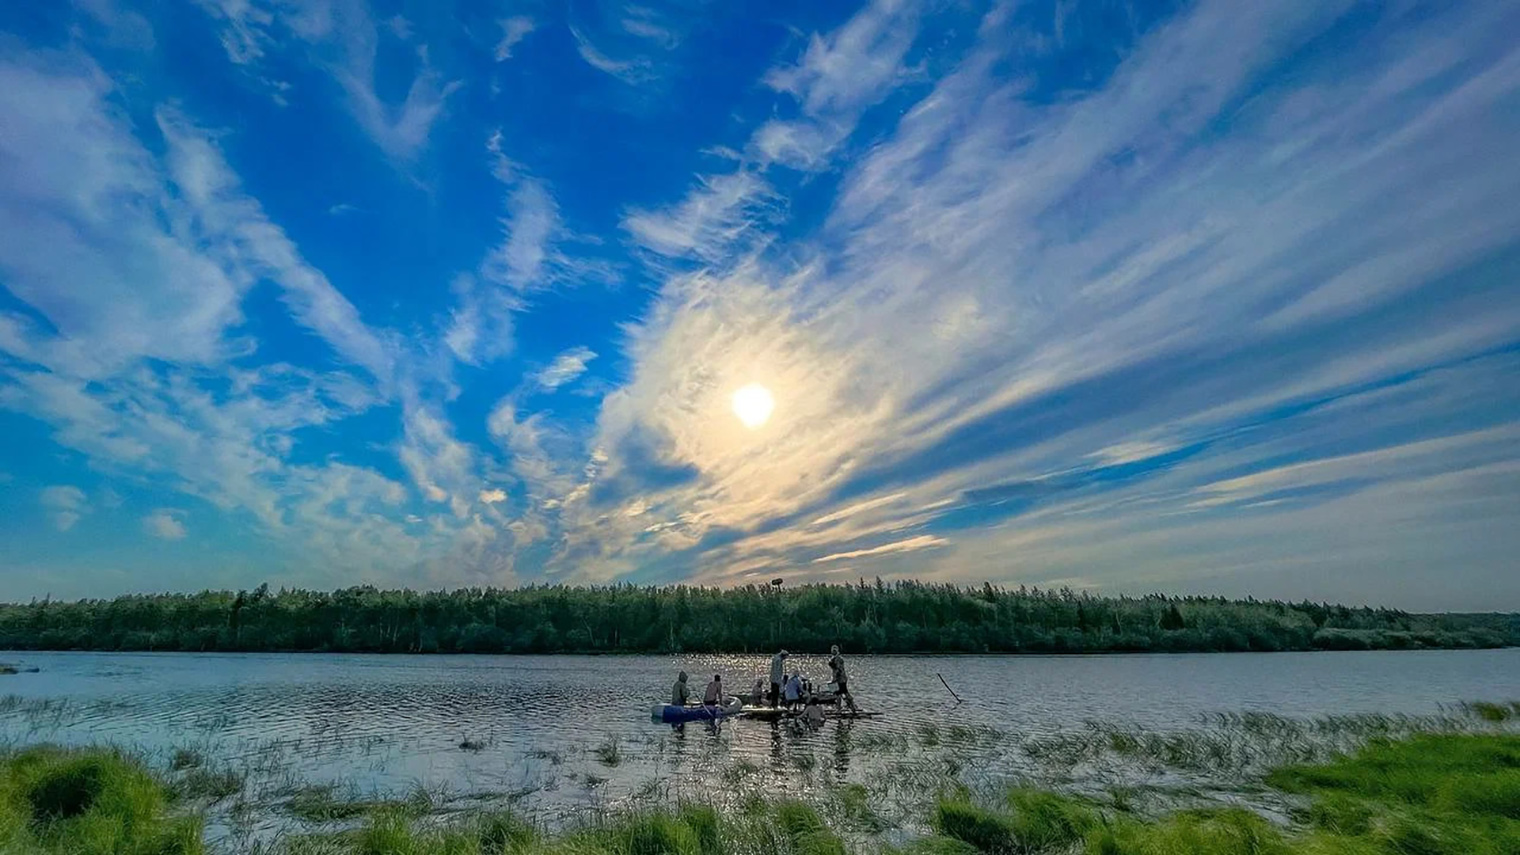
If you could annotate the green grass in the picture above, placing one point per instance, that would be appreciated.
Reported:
(1430, 794)
(1492, 712)
(609, 753)
(1225, 832)
(782, 828)
(88, 802)
(320, 803)
(1426, 795)
(209, 784)
(1443, 793)
(186, 758)
(1028, 821)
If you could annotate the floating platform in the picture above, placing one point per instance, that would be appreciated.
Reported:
(672, 714)
(779, 713)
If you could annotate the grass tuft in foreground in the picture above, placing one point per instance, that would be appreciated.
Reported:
(1030, 821)
(88, 802)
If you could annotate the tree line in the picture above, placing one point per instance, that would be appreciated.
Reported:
(897, 617)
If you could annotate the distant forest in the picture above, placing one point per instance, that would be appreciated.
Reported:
(900, 617)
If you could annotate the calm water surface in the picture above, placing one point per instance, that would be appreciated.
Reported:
(382, 723)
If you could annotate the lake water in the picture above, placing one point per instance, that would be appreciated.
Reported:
(384, 723)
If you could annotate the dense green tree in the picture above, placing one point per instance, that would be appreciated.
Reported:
(900, 617)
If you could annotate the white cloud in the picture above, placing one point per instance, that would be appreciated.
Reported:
(839, 76)
(528, 259)
(344, 38)
(1113, 250)
(513, 30)
(492, 497)
(123, 28)
(836, 79)
(66, 505)
(246, 25)
(566, 367)
(911, 544)
(139, 268)
(632, 71)
(83, 238)
(165, 524)
(717, 215)
(400, 130)
(480, 323)
(230, 217)
(400, 27)
(849, 69)
(444, 469)
(521, 261)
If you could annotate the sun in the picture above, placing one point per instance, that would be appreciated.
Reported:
(753, 405)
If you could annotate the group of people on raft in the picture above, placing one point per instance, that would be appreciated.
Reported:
(790, 691)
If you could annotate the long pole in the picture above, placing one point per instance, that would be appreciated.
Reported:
(947, 687)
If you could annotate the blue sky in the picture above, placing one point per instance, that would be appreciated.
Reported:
(1209, 297)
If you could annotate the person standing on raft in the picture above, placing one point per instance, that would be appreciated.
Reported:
(836, 665)
(778, 676)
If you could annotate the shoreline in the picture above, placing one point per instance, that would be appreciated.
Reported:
(616, 654)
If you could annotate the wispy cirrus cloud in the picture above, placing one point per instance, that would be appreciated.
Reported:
(529, 258)
(1006, 287)
(133, 269)
(838, 77)
(1215, 301)
(513, 30)
(566, 367)
(343, 37)
(633, 70)
(717, 216)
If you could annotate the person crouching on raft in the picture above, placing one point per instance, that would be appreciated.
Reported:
(713, 697)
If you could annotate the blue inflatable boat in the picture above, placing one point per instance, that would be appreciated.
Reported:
(672, 714)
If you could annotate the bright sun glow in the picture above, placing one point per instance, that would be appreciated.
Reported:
(753, 405)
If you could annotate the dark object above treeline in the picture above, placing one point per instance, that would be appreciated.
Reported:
(900, 617)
